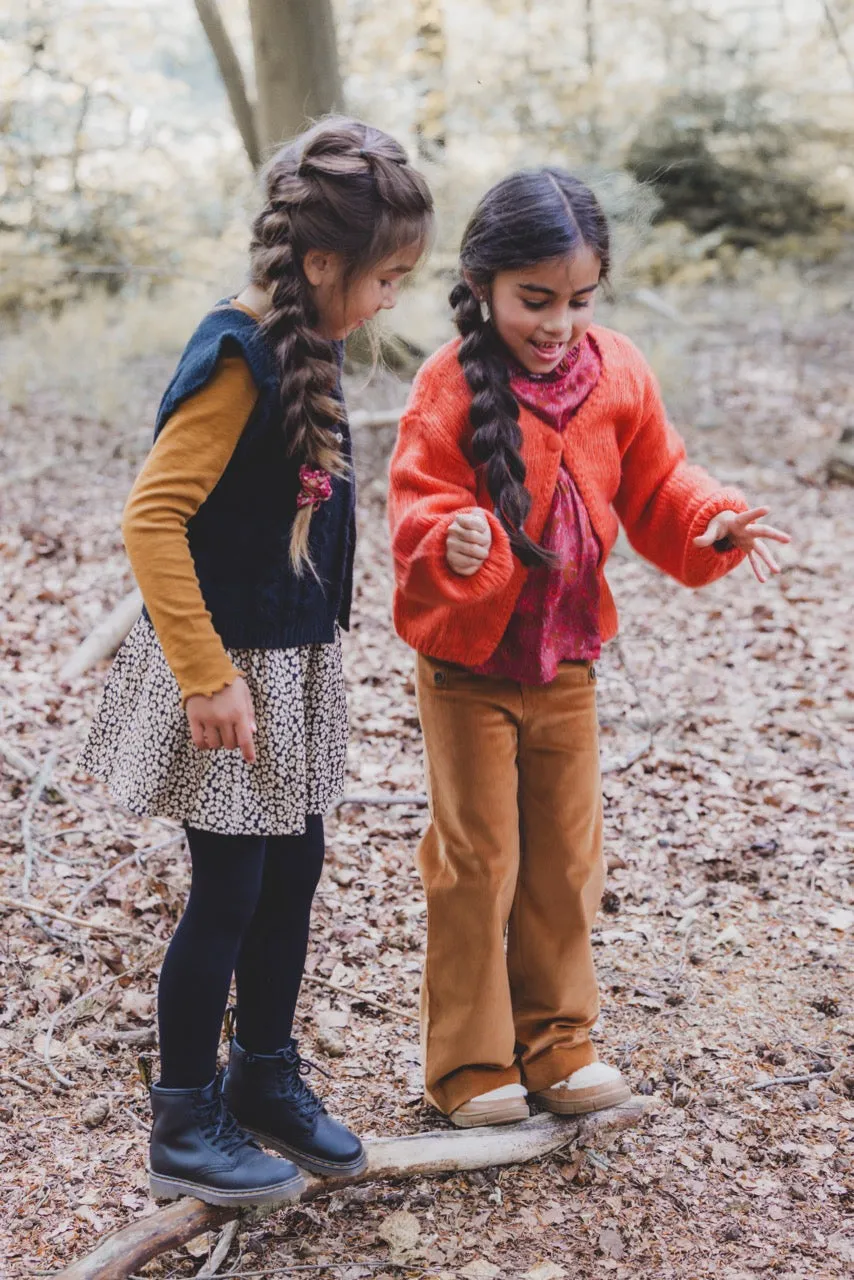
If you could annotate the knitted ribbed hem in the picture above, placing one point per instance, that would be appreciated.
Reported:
(212, 687)
(704, 565)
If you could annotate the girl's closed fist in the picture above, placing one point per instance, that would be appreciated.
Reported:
(225, 719)
(468, 543)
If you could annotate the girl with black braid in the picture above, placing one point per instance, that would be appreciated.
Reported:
(523, 444)
(225, 707)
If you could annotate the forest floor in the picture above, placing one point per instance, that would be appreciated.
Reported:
(724, 947)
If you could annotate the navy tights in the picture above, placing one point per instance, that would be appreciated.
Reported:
(247, 914)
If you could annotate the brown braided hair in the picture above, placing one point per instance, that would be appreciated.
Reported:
(530, 217)
(342, 187)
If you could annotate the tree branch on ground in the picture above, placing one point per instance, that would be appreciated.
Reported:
(419, 1155)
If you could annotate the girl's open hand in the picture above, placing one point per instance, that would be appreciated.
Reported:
(225, 719)
(746, 533)
(468, 543)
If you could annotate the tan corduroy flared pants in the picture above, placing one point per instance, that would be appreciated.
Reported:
(515, 846)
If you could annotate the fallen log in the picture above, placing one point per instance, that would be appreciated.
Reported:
(106, 637)
(420, 1155)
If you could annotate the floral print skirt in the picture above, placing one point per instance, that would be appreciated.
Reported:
(139, 743)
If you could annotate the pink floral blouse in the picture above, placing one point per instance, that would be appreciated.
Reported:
(556, 618)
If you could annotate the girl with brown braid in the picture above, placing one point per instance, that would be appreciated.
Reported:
(225, 707)
(523, 444)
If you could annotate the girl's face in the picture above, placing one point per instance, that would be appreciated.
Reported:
(541, 312)
(342, 307)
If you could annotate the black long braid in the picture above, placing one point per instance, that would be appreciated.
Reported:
(532, 216)
(343, 187)
(494, 413)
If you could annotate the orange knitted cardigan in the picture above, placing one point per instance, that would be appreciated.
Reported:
(626, 459)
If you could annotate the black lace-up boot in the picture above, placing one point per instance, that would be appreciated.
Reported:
(198, 1149)
(269, 1096)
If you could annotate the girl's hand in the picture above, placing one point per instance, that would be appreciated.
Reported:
(225, 719)
(468, 543)
(745, 533)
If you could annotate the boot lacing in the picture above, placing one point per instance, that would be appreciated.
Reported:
(291, 1072)
(218, 1124)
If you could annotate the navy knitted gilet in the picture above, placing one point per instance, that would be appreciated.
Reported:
(240, 536)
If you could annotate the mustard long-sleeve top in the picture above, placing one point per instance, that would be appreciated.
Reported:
(188, 459)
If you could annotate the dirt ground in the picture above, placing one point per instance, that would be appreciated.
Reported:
(724, 944)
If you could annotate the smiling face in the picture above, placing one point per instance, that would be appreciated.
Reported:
(343, 307)
(543, 311)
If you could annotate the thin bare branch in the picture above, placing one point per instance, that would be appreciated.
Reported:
(39, 909)
(232, 77)
(27, 820)
(837, 37)
(358, 996)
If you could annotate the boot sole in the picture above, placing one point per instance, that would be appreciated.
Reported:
(584, 1101)
(165, 1188)
(314, 1164)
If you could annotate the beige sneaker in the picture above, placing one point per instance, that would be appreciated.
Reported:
(506, 1105)
(590, 1088)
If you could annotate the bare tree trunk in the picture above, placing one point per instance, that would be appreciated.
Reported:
(232, 77)
(296, 65)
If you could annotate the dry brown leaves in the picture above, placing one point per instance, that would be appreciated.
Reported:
(724, 948)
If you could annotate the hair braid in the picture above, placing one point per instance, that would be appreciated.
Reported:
(306, 366)
(346, 188)
(535, 215)
(494, 414)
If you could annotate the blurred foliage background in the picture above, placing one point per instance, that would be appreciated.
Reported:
(718, 133)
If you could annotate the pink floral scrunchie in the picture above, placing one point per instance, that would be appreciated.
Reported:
(315, 487)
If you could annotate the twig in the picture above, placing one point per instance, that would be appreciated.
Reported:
(143, 1039)
(138, 855)
(778, 1080)
(87, 995)
(221, 1249)
(362, 999)
(21, 764)
(19, 1080)
(27, 820)
(144, 1128)
(415, 798)
(38, 909)
(302, 1268)
(620, 766)
(20, 1048)
(837, 36)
